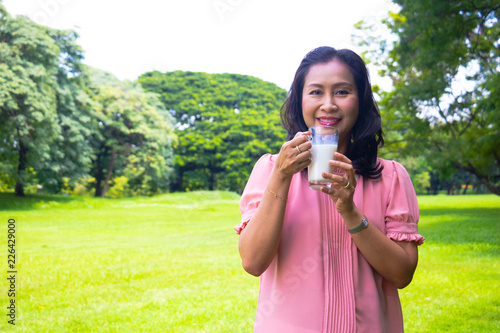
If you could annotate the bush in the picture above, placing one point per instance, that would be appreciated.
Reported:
(119, 188)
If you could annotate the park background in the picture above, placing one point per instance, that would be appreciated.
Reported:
(168, 152)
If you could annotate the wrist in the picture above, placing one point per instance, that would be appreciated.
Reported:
(280, 176)
(364, 224)
(279, 184)
(353, 218)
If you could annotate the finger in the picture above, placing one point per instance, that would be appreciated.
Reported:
(339, 182)
(304, 164)
(327, 190)
(304, 148)
(342, 162)
(347, 184)
(290, 156)
(301, 144)
(297, 140)
(300, 138)
(302, 134)
(347, 167)
(342, 158)
(333, 177)
(303, 159)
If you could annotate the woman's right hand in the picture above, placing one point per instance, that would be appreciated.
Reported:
(292, 160)
(260, 239)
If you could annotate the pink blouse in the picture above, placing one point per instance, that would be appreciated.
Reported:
(319, 281)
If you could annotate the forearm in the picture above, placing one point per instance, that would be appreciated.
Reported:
(395, 261)
(259, 240)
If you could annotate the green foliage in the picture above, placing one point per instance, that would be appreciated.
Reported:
(117, 190)
(419, 173)
(422, 182)
(70, 155)
(224, 123)
(63, 121)
(132, 139)
(80, 187)
(29, 65)
(444, 68)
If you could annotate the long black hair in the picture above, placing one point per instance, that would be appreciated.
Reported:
(366, 134)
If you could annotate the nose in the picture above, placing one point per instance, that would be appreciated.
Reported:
(328, 103)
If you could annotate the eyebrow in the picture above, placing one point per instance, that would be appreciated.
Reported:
(343, 83)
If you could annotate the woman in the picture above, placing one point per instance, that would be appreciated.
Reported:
(330, 260)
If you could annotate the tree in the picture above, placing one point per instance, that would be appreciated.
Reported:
(419, 173)
(70, 156)
(30, 60)
(132, 137)
(444, 68)
(224, 123)
(57, 123)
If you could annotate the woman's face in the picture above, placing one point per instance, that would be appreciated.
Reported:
(330, 97)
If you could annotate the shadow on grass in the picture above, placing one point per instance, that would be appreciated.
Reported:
(461, 226)
(9, 202)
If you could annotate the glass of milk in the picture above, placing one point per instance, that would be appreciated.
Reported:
(324, 140)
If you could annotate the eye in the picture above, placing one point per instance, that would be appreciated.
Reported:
(342, 92)
(315, 92)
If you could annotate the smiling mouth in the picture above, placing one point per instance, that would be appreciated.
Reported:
(328, 121)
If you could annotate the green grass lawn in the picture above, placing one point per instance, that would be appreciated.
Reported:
(456, 287)
(170, 264)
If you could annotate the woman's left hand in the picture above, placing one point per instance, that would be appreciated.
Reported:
(342, 188)
(395, 261)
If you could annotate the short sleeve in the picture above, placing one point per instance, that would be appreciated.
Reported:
(402, 213)
(254, 190)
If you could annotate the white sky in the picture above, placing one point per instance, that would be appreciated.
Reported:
(262, 38)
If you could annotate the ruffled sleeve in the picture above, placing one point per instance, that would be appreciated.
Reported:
(254, 190)
(402, 209)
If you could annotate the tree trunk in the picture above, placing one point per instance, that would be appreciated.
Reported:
(110, 171)
(465, 189)
(178, 183)
(21, 169)
(19, 189)
(211, 180)
(490, 186)
(98, 179)
(99, 175)
(484, 179)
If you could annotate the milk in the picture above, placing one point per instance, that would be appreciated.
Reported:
(321, 156)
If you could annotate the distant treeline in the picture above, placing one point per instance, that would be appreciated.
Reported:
(68, 128)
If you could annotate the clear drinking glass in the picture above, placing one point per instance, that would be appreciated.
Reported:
(324, 140)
